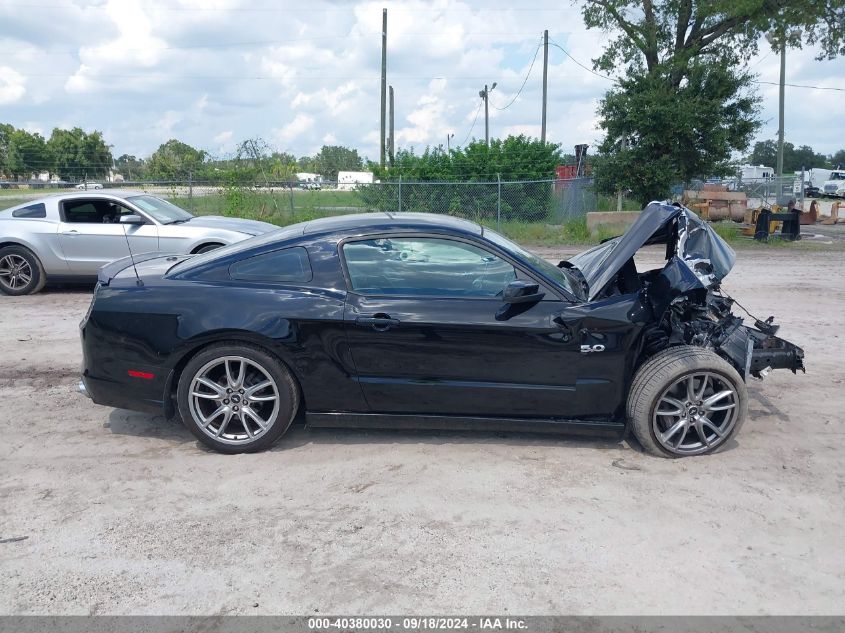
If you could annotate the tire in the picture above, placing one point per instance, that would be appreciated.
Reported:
(218, 409)
(686, 401)
(207, 248)
(21, 272)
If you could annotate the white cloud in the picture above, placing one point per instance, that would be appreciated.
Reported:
(12, 85)
(293, 130)
(223, 137)
(306, 77)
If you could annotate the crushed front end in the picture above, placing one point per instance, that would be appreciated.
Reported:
(706, 319)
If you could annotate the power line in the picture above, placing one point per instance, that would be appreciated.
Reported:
(775, 83)
(519, 92)
(589, 70)
(471, 127)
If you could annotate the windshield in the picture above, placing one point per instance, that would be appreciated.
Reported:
(559, 275)
(161, 210)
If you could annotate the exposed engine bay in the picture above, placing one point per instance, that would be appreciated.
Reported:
(684, 298)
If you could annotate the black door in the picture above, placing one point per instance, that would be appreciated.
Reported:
(425, 337)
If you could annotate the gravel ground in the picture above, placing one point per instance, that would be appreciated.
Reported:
(108, 511)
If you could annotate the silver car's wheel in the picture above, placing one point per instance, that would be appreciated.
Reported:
(237, 398)
(695, 414)
(20, 271)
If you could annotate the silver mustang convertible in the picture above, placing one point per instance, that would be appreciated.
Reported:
(68, 237)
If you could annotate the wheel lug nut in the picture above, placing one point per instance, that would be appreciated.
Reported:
(236, 408)
(226, 401)
(240, 390)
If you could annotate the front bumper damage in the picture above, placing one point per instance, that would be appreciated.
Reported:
(756, 353)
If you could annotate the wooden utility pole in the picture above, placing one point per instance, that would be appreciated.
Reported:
(545, 83)
(383, 78)
(390, 145)
(485, 94)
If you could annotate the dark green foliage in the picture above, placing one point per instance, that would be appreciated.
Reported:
(175, 160)
(27, 154)
(673, 134)
(794, 158)
(685, 102)
(74, 154)
(474, 171)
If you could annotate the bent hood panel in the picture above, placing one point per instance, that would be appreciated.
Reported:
(696, 246)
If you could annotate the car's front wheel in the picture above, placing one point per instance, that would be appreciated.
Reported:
(20, 271)
(686, 401)
(237, 398)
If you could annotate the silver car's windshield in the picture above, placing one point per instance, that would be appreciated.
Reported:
(161, 210)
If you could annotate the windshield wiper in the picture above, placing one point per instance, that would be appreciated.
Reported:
(178, 221)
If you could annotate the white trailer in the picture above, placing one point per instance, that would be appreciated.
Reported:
(347, 180)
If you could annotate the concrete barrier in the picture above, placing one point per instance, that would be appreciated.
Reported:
(612, 219)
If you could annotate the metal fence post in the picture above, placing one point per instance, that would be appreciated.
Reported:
(400, 193)
(191, 189)
(499, 203)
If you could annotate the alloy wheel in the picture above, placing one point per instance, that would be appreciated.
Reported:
(234, 400)
(695, 414)
(15, 272)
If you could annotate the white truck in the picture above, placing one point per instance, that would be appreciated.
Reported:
(834, 186)
(814, 180)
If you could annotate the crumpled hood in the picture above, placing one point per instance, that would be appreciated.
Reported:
(248, 227)
(693, 245)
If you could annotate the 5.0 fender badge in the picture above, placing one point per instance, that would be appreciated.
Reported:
(588, 349)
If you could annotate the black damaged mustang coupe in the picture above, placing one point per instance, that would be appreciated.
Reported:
(415, 320)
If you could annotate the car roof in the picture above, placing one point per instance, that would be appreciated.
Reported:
(382, 220)
(98, 193)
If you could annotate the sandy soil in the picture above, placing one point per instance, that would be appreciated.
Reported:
(108, 511)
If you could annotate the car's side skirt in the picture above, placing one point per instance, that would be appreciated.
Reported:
(463, 423)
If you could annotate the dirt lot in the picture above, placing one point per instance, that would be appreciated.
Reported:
(108, 511)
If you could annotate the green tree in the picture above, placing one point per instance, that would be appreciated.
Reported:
(175, 160)
(131, 167)
(663, 48)
(6, 131)
(334, 158)
(74, 154)
(672, 134)
(837, 160)
(765, 153)
(27, 155)
(794, 158)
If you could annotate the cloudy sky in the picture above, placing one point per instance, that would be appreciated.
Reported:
(301, 74)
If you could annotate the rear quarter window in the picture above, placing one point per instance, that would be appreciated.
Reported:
(37, 210)
(288, 265)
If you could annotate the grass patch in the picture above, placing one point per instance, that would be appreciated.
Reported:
(571, 232)
(7, 202)
(608, 203)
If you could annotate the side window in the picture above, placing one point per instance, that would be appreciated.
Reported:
(37, 210)
(287, 265)
(425, 266)
(93, 211)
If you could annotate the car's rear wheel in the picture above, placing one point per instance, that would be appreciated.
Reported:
(686, 401)
(20, 271)
(237, 398)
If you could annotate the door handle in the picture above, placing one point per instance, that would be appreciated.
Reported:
(379, 322)
(74, 232)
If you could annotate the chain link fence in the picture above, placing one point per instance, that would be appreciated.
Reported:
(493, 203)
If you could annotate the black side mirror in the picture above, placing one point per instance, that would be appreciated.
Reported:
(132, 219)
(520, 291)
